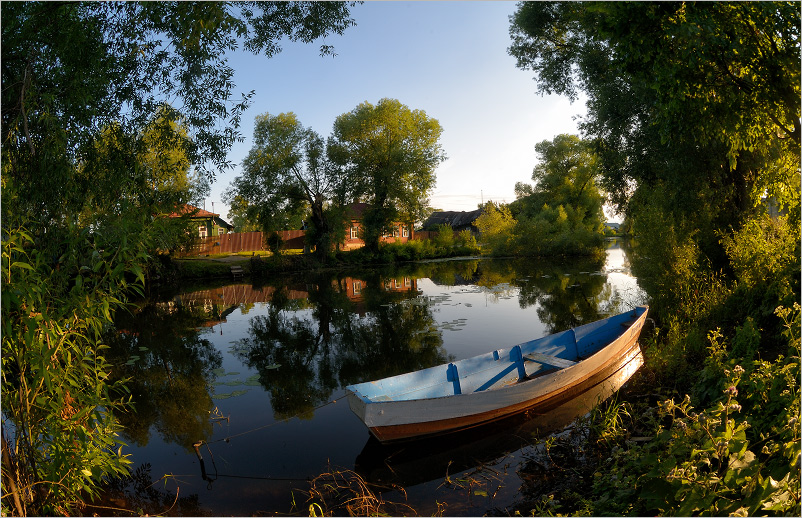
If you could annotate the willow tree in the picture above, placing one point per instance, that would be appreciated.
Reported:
(389, 152)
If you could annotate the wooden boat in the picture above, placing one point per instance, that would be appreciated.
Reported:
(497, 384)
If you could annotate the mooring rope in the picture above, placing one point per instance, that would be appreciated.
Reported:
(228, 438)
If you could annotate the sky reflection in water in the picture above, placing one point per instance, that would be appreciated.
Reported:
(249, 372)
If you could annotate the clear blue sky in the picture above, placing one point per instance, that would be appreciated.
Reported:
(446, 58)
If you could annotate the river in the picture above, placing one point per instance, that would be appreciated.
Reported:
(238, 389)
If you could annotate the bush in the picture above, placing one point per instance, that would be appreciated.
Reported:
(64, 438)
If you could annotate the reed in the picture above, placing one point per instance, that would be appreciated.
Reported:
(342, 492)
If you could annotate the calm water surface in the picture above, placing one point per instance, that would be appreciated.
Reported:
(251, 379)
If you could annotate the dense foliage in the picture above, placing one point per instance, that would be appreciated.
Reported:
(92, 156)
(390, 153)
(693, 112)
(286, 176)
(561, 214)
(384, 154)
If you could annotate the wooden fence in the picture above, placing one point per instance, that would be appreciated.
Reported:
(255, 241)
(245, 242)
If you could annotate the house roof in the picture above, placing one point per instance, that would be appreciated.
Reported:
(195, 212)
(357, 209)
(456, 219)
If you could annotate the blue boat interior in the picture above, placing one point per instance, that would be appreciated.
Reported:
(500, 367)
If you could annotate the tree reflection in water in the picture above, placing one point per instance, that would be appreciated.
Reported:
(358, 329)
(303, 340)
(170, 371)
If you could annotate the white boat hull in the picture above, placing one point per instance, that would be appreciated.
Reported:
(404, 419)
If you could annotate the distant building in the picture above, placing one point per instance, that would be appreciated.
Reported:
(206, 223)
(353, 237)
(458, 220)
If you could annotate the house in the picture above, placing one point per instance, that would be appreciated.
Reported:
(353, 236)
(207, 223)
(458, 220)
(613, 226)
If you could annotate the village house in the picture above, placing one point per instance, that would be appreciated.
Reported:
(458, 220)
(401, 232)
(207, 223)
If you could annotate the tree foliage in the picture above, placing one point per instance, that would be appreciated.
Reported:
(693, 111)
(287, 175)
(703, 97)
(561, 214)
(106, 107)
(495, 226)
(390, 154)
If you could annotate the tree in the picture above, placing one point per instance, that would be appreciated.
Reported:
(694, 112)
(495, 226)
(703, 98)
(83, 96)
(285, 175)
(566, 178)
(390, 153)
(238, 212)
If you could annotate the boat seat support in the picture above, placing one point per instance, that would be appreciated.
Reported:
(516, 357)
(452, 375)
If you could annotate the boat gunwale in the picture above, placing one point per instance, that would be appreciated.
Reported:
(384, 433)
(350, 390)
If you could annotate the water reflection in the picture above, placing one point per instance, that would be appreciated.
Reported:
(264, 355)
(170, 368)
(359, 329)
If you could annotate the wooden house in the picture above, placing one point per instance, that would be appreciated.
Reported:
(400, 233)
(205, 223)
(458, 220)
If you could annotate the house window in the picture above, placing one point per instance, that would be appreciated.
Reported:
(221, 231)
(202, 231)
(404, 232)
(354, 232)
(395, 232)
(357, 287)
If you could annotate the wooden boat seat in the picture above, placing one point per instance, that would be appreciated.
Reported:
(548, 360)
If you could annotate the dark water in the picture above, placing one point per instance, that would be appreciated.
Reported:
(251, 379)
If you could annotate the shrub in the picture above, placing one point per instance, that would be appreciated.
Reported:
(64, 437)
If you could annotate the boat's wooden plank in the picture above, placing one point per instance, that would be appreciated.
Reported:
(548, 360)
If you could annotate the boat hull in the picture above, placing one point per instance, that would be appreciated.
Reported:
(391, 421)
